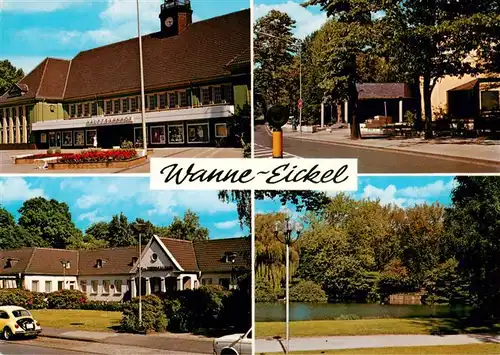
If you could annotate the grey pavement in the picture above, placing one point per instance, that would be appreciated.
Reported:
(7, 166)
(179, 343)
(384, 158)
(370, 341)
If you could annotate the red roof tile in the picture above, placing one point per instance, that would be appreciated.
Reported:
(183, 252)
(115, 261)
(211, 254)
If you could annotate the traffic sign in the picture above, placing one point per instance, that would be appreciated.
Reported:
(300, 103)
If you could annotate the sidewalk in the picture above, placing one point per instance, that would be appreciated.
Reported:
(370, 341)
(162, 341)
(477, 149)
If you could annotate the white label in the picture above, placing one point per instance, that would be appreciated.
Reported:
(254, 174)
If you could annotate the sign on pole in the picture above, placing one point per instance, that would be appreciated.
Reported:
(300, 103)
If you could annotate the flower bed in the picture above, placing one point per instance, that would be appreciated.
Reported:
(103, 156)
(30, 159)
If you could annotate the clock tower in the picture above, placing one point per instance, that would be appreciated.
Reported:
(175, 16)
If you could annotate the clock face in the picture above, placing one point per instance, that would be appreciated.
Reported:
(169, 22)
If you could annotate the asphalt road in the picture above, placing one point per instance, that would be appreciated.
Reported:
(30, 347)
(372, 161)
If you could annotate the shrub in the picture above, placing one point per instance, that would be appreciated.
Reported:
(66, 299)
(264, 292)
(307, 291)
(153, 315)
(127, 145)
(22, 298)
(112, 306)
(100, 156)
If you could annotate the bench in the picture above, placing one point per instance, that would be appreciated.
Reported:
(46, 161)
(14, 157)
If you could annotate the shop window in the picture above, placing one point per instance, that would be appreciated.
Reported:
(220, 130)
(176, 134)
(133, 104)
(116, 106)
(138, 136)
(90, 134)
(205, 96)
(67, 139)
(198, 133)
(79, 138)
(183, 99)
(43, 138)
(109, 107)
(125, 105)
(94, 108)
(217, 94)
(152, 102)
(163, 101)
(157, 135)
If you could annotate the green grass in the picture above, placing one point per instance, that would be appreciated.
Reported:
(370, 327)
(91, 320)
(483, 349)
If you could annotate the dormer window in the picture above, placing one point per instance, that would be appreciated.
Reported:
(99, 263)
(230, 257)
(68, 265)
(11, 262)
(134, 259)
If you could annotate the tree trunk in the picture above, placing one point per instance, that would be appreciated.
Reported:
(352, 111)
(427, 106)
(418, 97)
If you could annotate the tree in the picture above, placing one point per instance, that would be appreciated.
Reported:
(49, 223)
(187, 228)
(9, 75)
(99, 231)
(474, 222)
(120, 233)
(13, 236)
(273, 52)
(343, 38)
(436, 38)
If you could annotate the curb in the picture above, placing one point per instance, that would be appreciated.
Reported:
(88, 340)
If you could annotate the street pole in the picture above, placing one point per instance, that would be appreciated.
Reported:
(143, 98)
(287, 299)
(300, 87)
(140, 281)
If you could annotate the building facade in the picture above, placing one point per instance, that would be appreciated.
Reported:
(196, 75)
(112, 274)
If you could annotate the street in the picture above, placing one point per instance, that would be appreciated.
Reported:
(43, 345)
(371, 160)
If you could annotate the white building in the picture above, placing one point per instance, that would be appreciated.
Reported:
(113, 274)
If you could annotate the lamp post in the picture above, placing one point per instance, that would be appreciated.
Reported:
(64, 264)
(143, 98)
(288, 227)
(140, 228)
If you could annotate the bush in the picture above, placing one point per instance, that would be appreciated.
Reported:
(112, 306)
(153, 315)
(66, 299)
(307, 291)
(264, 292)
(127, 145)
(22, 298)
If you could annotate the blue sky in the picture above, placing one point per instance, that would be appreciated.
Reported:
(93, 199)
(31, 30)
(403, 191)
(308, 19)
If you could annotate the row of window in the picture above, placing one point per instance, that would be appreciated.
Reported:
(108, 287)
(13, 112)
(158, 101)
(224, 282)
(35, 286)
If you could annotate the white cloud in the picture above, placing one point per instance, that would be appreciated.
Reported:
(88, 201)
(227, 224)
(92, 217)
(37, 6)
(17, 189)
(307, 22)
(429, 190)
(386, 196)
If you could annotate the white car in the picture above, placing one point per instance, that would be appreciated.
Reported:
(15, 321)
(234, 344)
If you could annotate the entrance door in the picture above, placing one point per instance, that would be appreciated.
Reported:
(54, 139)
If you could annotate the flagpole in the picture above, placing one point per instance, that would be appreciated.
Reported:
(143, 98)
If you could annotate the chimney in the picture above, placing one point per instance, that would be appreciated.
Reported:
(175, 17)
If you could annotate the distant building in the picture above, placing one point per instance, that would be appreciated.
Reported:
(113, 274)
(196, 76)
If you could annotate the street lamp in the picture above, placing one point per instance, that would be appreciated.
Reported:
(287, 228)
(64, 264)
(140, 228)
(143, 98)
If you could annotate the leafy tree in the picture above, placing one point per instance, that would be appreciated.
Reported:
(13, 236)
(9, 75)
(474, 221)
(273, 51)
(444, 284)
(49, 223)
(307, 291)
(99, 231)
(120, 233)
(187, 228)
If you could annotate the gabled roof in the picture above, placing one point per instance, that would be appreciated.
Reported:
(206, 50)
(183, 252)
(211, 254)
(39, 261)
(115, 260)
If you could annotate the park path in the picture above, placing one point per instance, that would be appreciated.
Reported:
(370, 341)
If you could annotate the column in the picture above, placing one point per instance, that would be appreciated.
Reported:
(346, 111)
(133, 291)
(4, 127)
(148, 286)
(18, 130)
(400, 110)
(11, 130)
(24, 122)
(163, 288)
(180, 285)
(322, 114)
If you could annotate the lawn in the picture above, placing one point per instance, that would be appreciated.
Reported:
(368, 327)
(483, 349)
(77, 319)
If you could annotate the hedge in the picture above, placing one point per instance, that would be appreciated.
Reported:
(153, 315)
(66, 299)
(111, 306)
(22, 298)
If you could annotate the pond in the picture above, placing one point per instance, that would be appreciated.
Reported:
(275, 312)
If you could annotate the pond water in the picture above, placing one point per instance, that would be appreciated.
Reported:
(275, 312)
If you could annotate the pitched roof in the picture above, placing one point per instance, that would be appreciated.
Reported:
(211, 253)
(115, 260)
(370, 91)
(39, 261)
(22, 256)
(183, 252)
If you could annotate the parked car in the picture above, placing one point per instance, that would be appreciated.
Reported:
(17, 321)
(234, 344)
